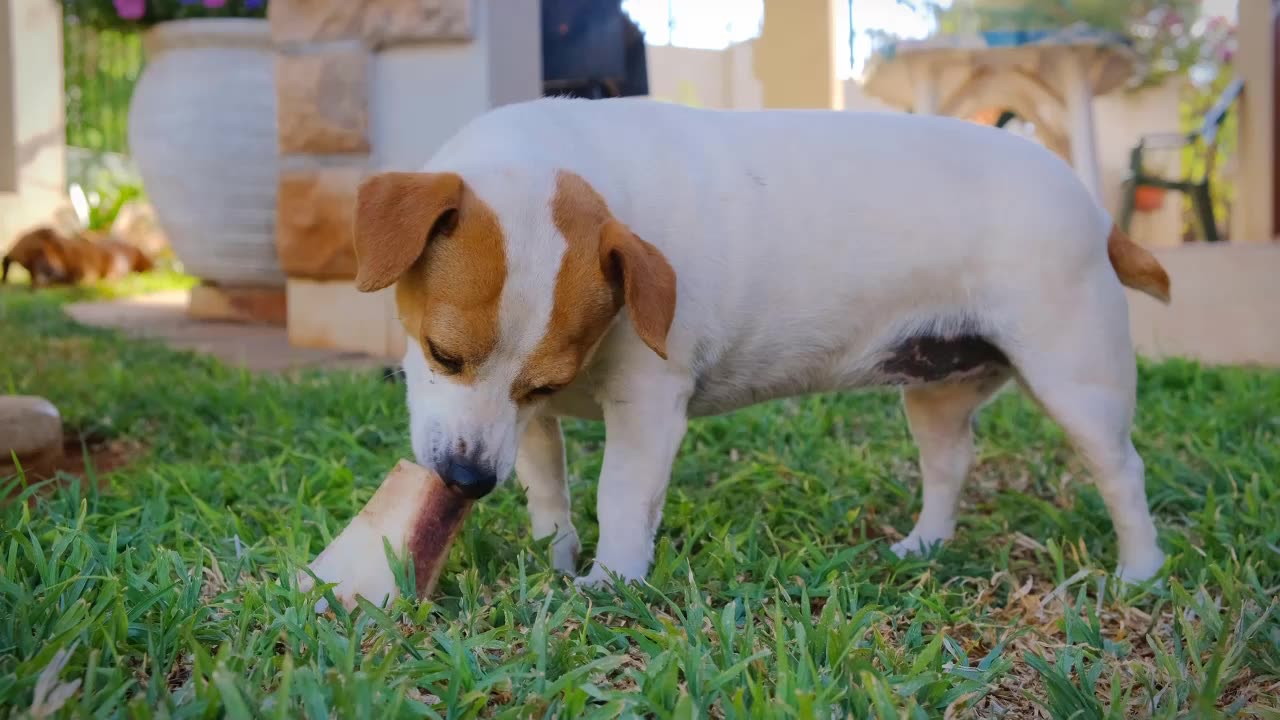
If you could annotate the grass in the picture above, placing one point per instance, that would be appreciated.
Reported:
(162, 589)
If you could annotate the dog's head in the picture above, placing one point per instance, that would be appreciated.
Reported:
(505, 286)
(44, 255)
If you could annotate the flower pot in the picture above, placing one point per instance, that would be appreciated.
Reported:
(202, 133)
(1148, 199)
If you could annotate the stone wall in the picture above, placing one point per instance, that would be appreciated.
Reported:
(326, 51)
(33, 151)
(368, 86)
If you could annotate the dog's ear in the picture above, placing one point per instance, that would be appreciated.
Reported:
(647, 282)
(396, 213)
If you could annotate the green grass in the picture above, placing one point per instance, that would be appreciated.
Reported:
(165, 593)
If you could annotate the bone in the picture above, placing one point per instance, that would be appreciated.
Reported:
(417, 513)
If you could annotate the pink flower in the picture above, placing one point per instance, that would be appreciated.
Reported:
(131, 9)
(215, 3)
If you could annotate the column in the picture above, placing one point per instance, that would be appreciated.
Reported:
(795, 56)
(1078, 95)
(924, 86)
(1255, 179)
(33, 184)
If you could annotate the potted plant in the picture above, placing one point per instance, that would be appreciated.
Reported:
(202, 130)
(1148, 198)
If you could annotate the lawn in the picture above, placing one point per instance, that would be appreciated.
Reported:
(162, 589)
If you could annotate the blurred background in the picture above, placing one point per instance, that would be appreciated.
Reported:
(176, 441)
(225, 138)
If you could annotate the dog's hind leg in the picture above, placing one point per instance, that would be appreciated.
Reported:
(941, 420)
(1080, 367)
(540, 468)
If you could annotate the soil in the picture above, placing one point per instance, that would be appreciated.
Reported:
(80, 452)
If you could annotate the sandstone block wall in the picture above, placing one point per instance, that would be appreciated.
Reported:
(326, 50)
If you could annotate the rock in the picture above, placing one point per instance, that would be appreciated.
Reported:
(307, 21)
(136, 224)
(315, 215)
(377, 22)
(31, 428)
(323, 102)
(65, 220)
(238, 303)
(389, 22)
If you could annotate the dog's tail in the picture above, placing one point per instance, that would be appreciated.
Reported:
(1136, 267)
(4, 269)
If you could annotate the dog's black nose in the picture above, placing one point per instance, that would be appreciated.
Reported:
(472, 481)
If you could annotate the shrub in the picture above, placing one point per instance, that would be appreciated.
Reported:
(127, 14)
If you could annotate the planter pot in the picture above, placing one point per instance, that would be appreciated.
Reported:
(1148, 199)
(202, 132)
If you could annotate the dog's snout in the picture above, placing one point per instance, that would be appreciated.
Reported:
(472, 480)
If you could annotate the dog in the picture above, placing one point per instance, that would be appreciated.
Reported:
(644, 263)
(55, 259)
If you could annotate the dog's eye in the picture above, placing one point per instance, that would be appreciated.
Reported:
(544, 391)
(450, 364)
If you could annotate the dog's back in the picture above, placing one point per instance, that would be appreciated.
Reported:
(846, 187)
(844, 225)
(92, 256)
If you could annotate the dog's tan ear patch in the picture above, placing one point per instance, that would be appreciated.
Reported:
(395, 215)
(648, 283)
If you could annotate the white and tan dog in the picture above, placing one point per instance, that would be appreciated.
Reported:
(644, 263)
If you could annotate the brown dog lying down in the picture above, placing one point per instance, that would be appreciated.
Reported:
(54, 259)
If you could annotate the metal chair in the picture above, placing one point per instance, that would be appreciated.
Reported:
(1197, 188)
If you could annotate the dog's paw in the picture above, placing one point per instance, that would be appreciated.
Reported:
(564, 553)
(600, 579)
(1142, 569)
(915, 545)
(597, 579)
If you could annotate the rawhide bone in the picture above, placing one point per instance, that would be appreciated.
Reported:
(417, 513)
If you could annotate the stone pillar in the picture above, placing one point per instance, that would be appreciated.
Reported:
(1078, 95)
(924, 81)
(371, 86)
(795, 55)
(1255, 155)
(33, 153)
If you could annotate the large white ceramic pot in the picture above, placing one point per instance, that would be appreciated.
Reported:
(202, 132)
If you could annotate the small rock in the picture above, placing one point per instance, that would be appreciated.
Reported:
(136, 224)
(29, 427)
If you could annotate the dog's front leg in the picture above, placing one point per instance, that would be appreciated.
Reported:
(540, 467)
(644, 427)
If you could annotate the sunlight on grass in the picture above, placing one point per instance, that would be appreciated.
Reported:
(167, 592)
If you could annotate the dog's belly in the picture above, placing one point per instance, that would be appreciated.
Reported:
(916, 360)
(739, 380)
